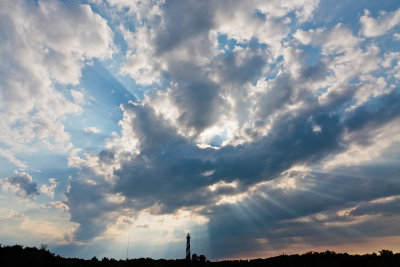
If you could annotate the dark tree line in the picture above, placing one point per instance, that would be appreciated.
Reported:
(31, 256)
(200, 258)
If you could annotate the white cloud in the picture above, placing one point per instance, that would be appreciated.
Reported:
(48, 190)
(78, 97)
(91, 130)
(391, 61)
(371, 27)
(239, 22)
(343, 60)
(141, 63)
(44, 44)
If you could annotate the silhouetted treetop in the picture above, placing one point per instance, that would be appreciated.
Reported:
(31, 256)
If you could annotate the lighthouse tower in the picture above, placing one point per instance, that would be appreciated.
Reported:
(188, 247)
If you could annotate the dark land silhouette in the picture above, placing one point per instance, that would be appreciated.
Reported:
(18, 255)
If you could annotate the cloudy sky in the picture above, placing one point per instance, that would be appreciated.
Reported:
(260, 127)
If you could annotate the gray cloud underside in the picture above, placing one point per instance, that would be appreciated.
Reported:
(21, 184)
(276, 214)
(168, 168)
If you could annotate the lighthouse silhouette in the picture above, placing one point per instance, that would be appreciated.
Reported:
(188, 247)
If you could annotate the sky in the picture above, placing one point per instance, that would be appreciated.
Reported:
(260, 127)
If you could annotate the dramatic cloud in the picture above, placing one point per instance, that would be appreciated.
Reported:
(269, 125)
(221, 129)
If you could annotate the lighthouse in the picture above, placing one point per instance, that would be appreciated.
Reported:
(188, 247)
